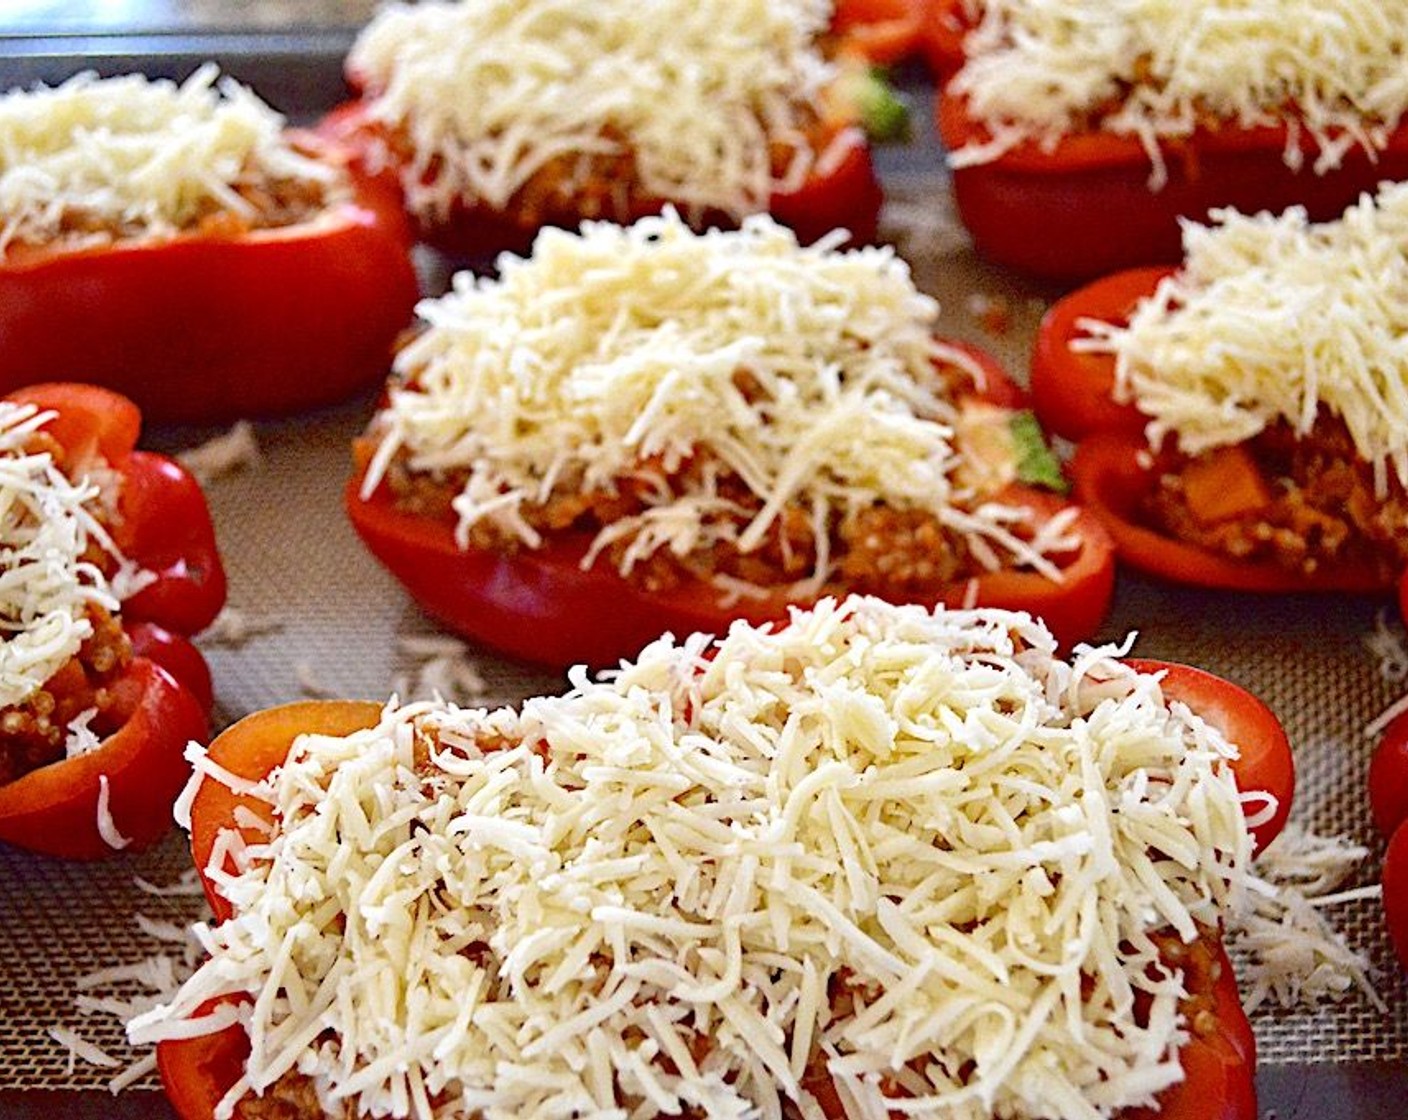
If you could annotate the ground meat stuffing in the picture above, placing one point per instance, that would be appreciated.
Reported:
(275, 204)
(602, 185)
(1321, 511)
(33, 734)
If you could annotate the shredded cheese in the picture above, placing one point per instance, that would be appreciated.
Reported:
(912, 849)
(1275, 318)
(129, 156)
(441, 668)
(1039, 70)
(697, 96)
(48, 525)
(620, 355)
(224, 454)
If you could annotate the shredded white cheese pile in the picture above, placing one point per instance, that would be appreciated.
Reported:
(1038, 70)
(806, 372)
(897, 846)
(1276, 319)
(47, 527)
(490, 92)
(137, 157)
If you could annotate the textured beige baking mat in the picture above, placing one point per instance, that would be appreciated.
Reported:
(321, 617)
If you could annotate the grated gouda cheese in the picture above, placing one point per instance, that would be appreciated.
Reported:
(903, 848)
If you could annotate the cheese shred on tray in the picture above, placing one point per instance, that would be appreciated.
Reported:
(912, 852)
(725, 407)
(561, 108)
(1039, 70)
(1285, 338)
(97, 159)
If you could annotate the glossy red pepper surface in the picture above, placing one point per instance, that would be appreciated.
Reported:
(163, 699)
(1388, 797)
(207, 326)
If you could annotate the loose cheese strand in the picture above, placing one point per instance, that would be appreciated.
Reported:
(914, 842)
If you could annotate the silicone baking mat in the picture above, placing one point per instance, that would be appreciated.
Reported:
(323, 618)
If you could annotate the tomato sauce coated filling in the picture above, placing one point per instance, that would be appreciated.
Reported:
(1306, 503)
(36, 731)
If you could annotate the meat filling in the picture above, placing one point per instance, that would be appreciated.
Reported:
(269, 204)
(35, 733)
(1305, 503)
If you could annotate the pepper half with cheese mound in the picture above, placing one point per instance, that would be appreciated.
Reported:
(176, 244)
(501, 116)
(644, 429)
(1243, 421)
(107, 565)
(1080, 132)
(872, 861)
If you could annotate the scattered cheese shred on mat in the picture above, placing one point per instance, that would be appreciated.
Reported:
(226, 453)
(1038, 70)
(866, 836)
(697, 97)
(1276, 318)
(134, 154)
(1295, 953)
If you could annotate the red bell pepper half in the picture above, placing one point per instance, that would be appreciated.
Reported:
(1083, 208)
(842, 191)
(540, 605)
(163, 699)
(1114, 470)
(208, 325)
(1218, 1060)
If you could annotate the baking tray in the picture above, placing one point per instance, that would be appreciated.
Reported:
(326, 619)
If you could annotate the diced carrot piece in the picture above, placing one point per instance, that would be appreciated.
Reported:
(1223, 484)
